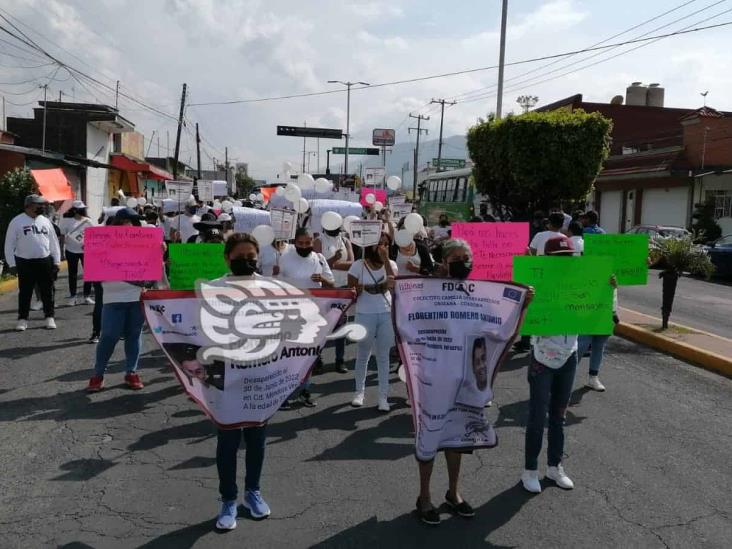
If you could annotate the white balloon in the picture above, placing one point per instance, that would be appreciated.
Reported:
(252, 197)
(227, 206)
(301, 206)
(306, 181)
(287, 168)
(260, 197)
(280, 190)
(264, 235)
(347, 222)
(292, 193)
(322, 185)
(132, 202)
(403, 238)
(330, 221)
(216, 204)
(141, 201)
(393, 182)
(378, 206)
(370, 198)
(238, 203)
(413, 223)
(191, 199)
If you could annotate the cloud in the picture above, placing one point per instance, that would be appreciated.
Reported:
(375, 10)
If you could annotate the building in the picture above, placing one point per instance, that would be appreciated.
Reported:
(662, 161)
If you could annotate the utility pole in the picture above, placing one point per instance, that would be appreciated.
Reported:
(226, 166)
(348, 114)
(147, 153)
(167, 142)
(304, 140)
(198, 152)
(501, 62)
(318, 142)
(327, 158)
(419, 130)
(116, 96)
(5, 123)
(60, 93)
(158, 144)
(45, 109)
(180, 126)
(442, 119)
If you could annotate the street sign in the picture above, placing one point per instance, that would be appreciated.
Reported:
(450, 162)
(295, 131)
(357, 151)
(383, 137)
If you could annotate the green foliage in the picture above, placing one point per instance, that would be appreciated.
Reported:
(682, 255)
(244, 184)
(14, 187)
(528, 162)
(704, 223)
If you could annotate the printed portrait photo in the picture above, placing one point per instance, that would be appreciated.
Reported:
(184, 356)
(480, 358)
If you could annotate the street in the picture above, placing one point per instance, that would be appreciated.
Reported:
(698, 304)
(650, 459)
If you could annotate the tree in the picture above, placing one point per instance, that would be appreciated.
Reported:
(14, 187)
(244, 184)
(704, 225)
(529, 162)
(678, 255)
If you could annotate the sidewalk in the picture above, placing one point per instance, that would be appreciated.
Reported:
(709, 351)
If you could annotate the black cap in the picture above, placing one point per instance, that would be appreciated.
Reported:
(127, 213)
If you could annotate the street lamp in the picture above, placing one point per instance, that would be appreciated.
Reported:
(348, 114)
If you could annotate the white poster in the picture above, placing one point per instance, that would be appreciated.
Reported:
(452, 337)
(365, 233)
(284, 223)
(397, 200)
(400, 211)
(205, 190)
(374, 176)
(239, 347)
(341, 207)
(219, 188)
(179, 190)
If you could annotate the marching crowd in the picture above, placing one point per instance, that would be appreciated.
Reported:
(35, 246)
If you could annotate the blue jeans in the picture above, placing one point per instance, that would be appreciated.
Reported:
(598, 343)
(227, 447)
(380, 337)
(549, 390)
(120, 319)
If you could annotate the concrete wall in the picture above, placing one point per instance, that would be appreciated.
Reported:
(98, 145)
(716, 183)
(666, 206)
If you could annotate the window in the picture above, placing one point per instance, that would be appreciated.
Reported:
(450, 191)
(461, 189)
(722, 203)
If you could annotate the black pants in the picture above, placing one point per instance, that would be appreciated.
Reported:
(226, 450)
(97, 314)
(32, 272)
(73, 262)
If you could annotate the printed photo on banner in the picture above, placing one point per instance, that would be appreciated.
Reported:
(205, 190)
(478, 368)
(365, 233)
(284, 223)
(184, 356)
(179, 190)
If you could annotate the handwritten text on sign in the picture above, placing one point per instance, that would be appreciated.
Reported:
(191, 262)
(494, 245)
(123, 253)
(573, 295)
(629, 253)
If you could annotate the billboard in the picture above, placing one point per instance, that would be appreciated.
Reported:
(383, 137)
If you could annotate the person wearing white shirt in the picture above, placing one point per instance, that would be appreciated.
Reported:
(269, 257)
(441, 231)
(33, 252)
(554, 227)
(184, 222)
(574, 232)
(72, 229)
(373, 278)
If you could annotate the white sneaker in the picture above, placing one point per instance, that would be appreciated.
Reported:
(558, 475)
(530, 480)
(384, 405)
(21, 326)
(594, 384)
(50, 323)
(71, 302)
(357, 401)
(88, 301)
(36, 305)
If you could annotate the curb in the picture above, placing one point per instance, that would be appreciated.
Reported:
(694, 355)
(11, 285)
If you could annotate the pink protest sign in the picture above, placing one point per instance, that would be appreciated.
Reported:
(493, 245)
(123, 253)
(380, 195)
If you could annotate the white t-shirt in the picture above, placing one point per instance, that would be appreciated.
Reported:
(330, 245)
(31, 238)
(539, 241)
(73, 231)
(553, 351)
(579, 244)
(402, 261)
(121, 292)
(269, 256)
(186, 226)
(297, 270)
(440, 233)
(372, 303)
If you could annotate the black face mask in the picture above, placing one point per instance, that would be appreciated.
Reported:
(242, 266)
(334, 232)
(304, 252)
(443, 223)
(459, 269)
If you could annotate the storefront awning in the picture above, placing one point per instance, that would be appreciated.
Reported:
(53, 184)
(148, 171)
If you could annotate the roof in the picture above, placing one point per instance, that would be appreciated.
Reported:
(705, 112)
(67, 159)
(649, 163)
(127, 163)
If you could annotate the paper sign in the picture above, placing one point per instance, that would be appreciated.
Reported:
(191, 262)
(629, 253)
(365, 233)
(380, 195)
(123, 253)
(573, 294)
(284, 223)
(397, 200)
(205, 190)
(494, 246)
(179, 190)
(219, 188)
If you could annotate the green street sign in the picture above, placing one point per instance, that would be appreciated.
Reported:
(449, 162)
(366, 151)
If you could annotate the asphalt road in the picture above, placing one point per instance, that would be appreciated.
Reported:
(120, 469)
(698, 304)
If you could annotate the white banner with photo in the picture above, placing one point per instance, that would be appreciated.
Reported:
(452, 337)
(179, 191)
(205, 190)
(239, 347)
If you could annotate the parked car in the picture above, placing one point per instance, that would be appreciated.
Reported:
(660, 231)
(720, 252)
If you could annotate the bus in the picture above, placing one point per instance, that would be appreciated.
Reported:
(452, 193)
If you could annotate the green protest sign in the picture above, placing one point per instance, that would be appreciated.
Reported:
(629, 253)
(573, 294)
(190, 262)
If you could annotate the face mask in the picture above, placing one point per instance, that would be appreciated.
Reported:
(459, 269)
(334, 232)
(40, 211)
(443, 223)
(304, 252)
(243, 267)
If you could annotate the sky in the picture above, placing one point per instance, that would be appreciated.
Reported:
(250, 49)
